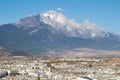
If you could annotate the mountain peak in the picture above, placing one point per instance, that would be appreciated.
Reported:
(71, 28)
(53, 15)
(62, 25)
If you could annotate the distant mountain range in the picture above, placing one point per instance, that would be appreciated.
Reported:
(51, 30)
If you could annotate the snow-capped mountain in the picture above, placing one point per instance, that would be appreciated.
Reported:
(51, 30)
(68, 27)
(71, 28)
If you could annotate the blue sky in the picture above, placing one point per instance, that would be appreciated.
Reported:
(105, 13)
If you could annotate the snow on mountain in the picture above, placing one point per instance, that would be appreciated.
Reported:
(29, 21)
(62, 25)
(33, 31)
(71, 28)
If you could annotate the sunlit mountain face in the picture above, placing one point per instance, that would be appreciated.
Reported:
(51, 30)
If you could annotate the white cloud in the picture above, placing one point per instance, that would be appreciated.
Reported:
(60, 9)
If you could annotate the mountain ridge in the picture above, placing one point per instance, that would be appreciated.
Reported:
(51, 30)
(68, 27)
